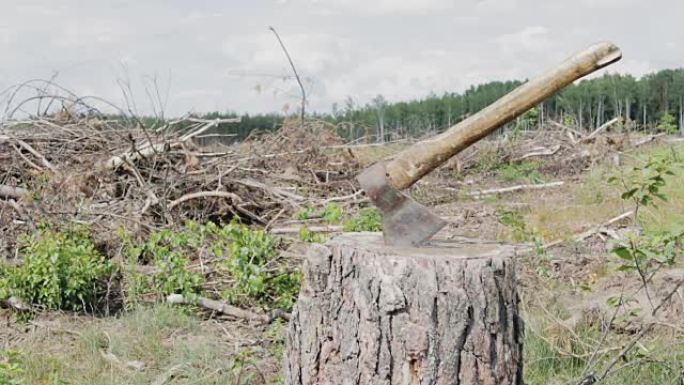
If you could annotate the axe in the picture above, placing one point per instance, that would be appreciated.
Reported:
(406, 222)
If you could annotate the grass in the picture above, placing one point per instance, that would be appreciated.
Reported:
(592, 200)
(554, 355)
(558, 355)
(527, 172)
(170, 342)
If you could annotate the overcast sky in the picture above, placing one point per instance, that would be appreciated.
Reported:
(210, 55)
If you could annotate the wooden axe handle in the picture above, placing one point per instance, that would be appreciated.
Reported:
(414, 162)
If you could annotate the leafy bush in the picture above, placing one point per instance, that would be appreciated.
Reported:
(367, 219)
(308, 236)
(60, 270)
(166, 251)
(645, 253)
(515, 222)
(668, 124)
(10, 368)
(249, 256)
(304, 213)
(253, 265)
(520, 171)
(331, 213)
(488, 159)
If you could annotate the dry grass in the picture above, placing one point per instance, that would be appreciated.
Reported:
(171, 345)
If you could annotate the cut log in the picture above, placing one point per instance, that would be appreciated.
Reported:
(446, 313)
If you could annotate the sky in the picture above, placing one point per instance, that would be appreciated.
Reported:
(218, 55)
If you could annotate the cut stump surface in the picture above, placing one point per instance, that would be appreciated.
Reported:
(368, 313)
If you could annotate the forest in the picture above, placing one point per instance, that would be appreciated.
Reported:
(652, 102)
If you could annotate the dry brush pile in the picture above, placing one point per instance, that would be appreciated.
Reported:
(151, 199)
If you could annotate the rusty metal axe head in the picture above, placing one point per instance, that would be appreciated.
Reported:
(405, 222)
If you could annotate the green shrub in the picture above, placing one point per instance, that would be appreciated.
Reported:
(167, 251)
(668, 124)
(60, 270)
(308, 236)
(488, 159)
(515, 222)
(304, 213)
(331, 213)
(528, 171)
(10, 368)
(367, 219)
(250, 257)
(257, 274)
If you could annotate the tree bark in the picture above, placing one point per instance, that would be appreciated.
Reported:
(371, 314)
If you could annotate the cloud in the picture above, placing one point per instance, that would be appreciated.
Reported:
(496, 5)
(607, 4)
(380, 7)
(531, 39)
(222, 57)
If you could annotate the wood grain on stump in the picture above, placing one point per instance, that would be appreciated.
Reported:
(371, 314)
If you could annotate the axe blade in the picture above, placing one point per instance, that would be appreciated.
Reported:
(405, 222)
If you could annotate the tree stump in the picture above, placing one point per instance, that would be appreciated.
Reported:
(372, 314)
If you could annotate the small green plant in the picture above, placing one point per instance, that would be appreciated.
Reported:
(529, 119)
(60, 270)
(10, 368)
(332, 213)
(515, 222)
(643, 184)
(166, 251)
(308, 236)
(250, 257)
(368, 219)
(527, 171)
(253, 263)
(521, 232)
(668, 124)
(488, 159)
(304, 213)
(646, 253)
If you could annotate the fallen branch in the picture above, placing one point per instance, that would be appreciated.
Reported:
(586, 234)
(204, 194)
(143, 152)
(149, 149)
(479, 194)
(647, 139)
(207, 126)
(220, 307)
(601, 128)
(568, 130)
(278, 192)
(37, 154)
(540, 152)
(346, 197)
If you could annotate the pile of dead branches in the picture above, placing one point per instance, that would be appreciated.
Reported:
(115, 174)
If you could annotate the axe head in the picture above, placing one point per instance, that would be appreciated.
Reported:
(405, 222)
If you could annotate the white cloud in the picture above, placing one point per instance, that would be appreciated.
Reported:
(532, 39)
(221, 55)
(496, 5)
(382, 7)
(608, 3)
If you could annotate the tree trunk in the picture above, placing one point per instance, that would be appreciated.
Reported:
(372, 314)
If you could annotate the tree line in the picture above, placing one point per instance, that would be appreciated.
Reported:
(650, 103)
